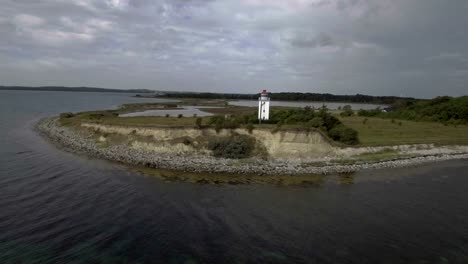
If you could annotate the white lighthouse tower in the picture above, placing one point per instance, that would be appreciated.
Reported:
(263, 106)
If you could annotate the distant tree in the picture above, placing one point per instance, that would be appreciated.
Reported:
(347, 111)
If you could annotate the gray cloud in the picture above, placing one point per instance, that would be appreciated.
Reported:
(396, 47)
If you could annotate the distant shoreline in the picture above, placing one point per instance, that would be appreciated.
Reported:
(278, 96)
(72, 89)
(73, 141)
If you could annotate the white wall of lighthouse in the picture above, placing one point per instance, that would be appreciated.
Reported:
(264, 106)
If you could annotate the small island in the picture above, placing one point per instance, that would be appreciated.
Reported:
(221, 138)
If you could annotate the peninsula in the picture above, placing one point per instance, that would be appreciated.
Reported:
(293, 141)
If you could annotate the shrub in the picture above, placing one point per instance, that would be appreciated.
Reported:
(370, 113)
(167, 115)
(344, 134)
(250, 128)
(66, 115)
(218, 127)
(221, 122)
(347, 111)
(169, 105)
(233, 147)
(231, 123)
(180, 115)
(316, 122)
(330, 122)
(100, 114)
(215, 119)
(198, 122)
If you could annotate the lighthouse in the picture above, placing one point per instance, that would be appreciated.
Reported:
(263, 106)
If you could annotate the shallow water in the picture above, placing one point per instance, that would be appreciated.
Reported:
(187, 111)
(58, 207)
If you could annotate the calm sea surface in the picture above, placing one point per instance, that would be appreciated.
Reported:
(58, 207)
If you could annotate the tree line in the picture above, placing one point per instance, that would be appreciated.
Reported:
(444, 109)
(294, 96)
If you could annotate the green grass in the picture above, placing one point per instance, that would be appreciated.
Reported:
(378, 132)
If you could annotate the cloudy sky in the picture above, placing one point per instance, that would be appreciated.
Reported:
(380, 47)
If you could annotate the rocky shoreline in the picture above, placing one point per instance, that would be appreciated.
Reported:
(74, 141)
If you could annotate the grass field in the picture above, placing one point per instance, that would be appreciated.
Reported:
(378, 131)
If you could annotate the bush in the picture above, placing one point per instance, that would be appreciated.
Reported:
(221, 122)
(168, 115)
(180, 115)
(66, 115)
(218, 127)
(330, 122)
(215, 119)
(231, 123)
(170, 105)
(344, 134)
(347, 111)
(250, 128)
(97, 115)
(198, 122)
(316, 122)
(233, 147)
(370, 113)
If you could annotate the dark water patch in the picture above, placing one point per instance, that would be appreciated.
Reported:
(231, 178)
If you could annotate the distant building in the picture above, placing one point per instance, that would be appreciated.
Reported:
(264, 106)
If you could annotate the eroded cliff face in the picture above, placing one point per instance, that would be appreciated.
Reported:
(283, 144)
